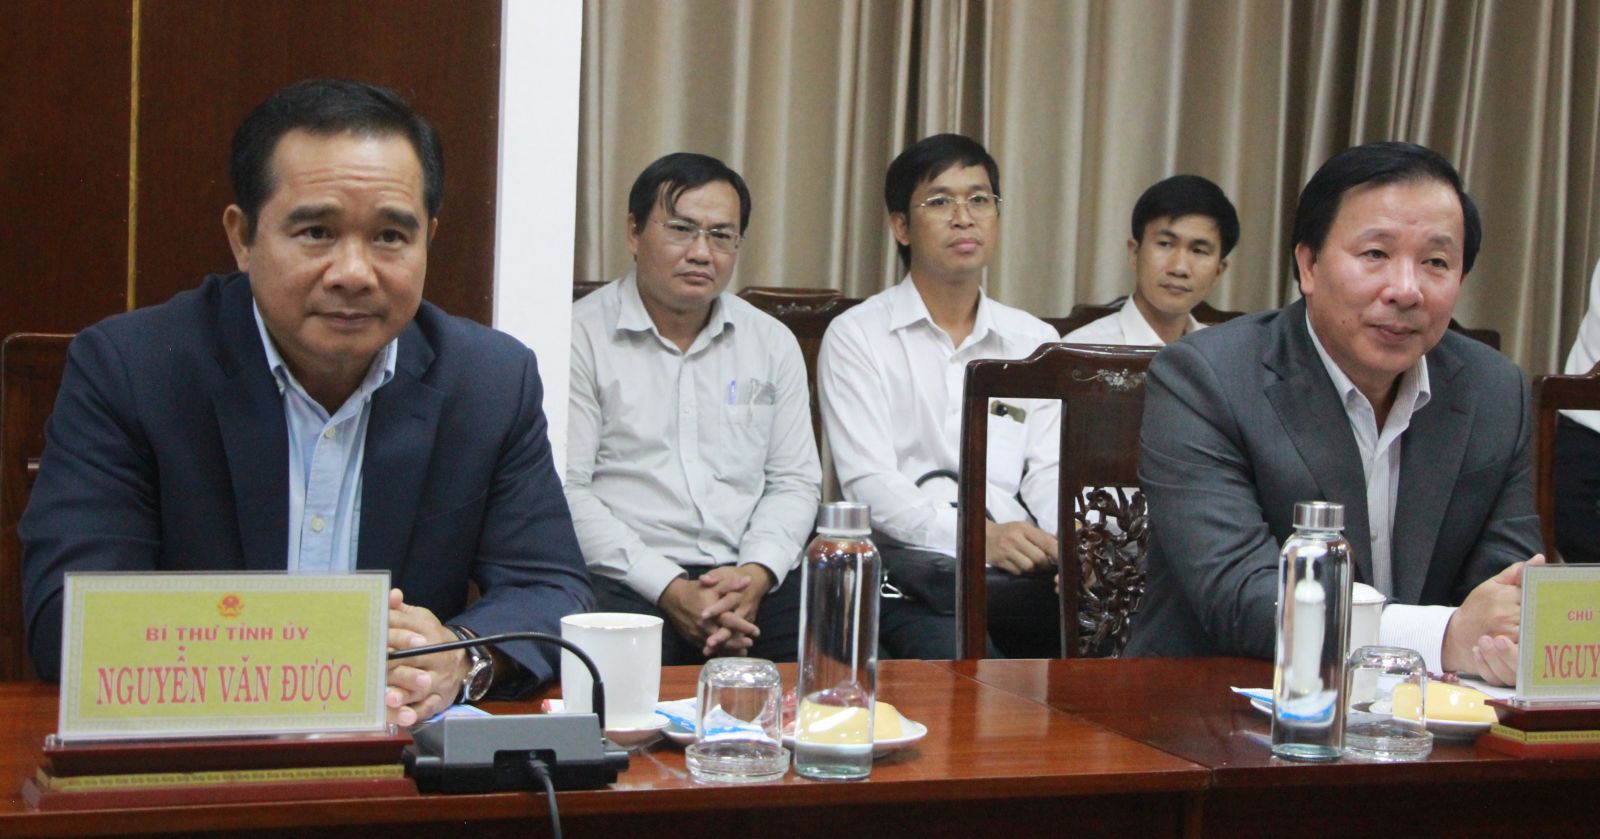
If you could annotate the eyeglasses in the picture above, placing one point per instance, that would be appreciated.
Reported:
(680, 232)
(981, 206)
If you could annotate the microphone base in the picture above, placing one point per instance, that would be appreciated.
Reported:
(492, 754)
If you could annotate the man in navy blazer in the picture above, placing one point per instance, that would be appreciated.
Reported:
(311, 413)
(1356, 394)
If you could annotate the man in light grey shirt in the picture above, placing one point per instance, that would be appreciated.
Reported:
(692, 470)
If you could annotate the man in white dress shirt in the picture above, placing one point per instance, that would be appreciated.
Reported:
(692, 470)
(1183, 230)
(890, 377)
(1577, 460)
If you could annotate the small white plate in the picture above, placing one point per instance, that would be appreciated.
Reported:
(910, 732)
(1448, 729)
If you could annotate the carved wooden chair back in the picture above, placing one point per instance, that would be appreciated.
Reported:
(1085, 313)
(30, 374)
(1487, 336)
(1552, 394)
(1101, 390)
(807, 312)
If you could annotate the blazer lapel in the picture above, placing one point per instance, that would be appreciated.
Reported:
(1315, 421)
(1431, 453)
(255, 436)
(399, 450)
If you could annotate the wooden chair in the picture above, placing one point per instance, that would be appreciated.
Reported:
(581, 289)
(30, 374)
(1101, 390)
(807, 312)
(1487, 336)
(1552, 394)
(1084, 314)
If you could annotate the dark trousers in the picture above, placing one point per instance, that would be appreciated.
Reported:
(1024, 614)
(1577, 479)
(778, 618)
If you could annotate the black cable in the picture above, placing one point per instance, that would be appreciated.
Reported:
(542, 772)
(597, 697)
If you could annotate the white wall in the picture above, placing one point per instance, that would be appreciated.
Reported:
(535, 220)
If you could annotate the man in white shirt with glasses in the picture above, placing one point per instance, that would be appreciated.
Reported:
(692, 470)
(890, 377)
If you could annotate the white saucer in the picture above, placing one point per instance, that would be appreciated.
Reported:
(1450, 729)
(630, 737)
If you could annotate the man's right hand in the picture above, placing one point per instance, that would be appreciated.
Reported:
(685, 602)
(1482, 634)
(1018, 547)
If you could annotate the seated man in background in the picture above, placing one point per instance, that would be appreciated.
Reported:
(1183, 230)
(692, 470)
(312, 413)
(1357, 394)
(1577, 455)
(890, 378)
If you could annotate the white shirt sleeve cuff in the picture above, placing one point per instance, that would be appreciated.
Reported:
(770, 557)
(650, 577)
(1419, 628)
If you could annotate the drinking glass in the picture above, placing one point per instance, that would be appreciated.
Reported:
(738, 732)
(1387, 720)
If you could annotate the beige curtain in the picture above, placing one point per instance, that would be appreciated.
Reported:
(1085, 104)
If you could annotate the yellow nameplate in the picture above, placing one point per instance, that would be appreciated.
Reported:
(196, 655)
(1559, 656)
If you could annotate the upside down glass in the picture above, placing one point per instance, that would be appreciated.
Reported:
(1387, 691)
(738, 730)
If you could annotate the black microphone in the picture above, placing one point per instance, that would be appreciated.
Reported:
(597, 697)
(509, 752)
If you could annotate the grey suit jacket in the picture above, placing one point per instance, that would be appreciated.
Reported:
(1241, 421)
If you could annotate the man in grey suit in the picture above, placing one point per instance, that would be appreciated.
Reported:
(1355, 394)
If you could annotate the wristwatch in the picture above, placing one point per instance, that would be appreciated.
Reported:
(480, 670)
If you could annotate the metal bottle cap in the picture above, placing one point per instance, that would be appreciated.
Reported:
(1318, 515)
(848, 518)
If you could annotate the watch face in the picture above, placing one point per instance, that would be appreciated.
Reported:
(478, 678)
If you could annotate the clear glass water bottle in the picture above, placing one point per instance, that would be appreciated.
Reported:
(1314, 581)
(839, 583)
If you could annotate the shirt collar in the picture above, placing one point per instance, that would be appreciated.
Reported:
(379, 372)
(633, 317)
(1414, 391)
(1136, 331)
(906, 308)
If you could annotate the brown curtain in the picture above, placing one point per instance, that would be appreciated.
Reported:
(1085, 104)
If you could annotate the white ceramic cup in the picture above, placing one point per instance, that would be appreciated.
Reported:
(627, 650)
(1366, 605)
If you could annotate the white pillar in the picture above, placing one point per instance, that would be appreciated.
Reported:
(541, 50)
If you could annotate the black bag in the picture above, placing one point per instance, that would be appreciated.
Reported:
(925, 576)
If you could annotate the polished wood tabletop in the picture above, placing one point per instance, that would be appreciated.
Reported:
(1184, 707)
(992, 761)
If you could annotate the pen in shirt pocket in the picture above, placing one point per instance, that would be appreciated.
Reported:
(733, 392)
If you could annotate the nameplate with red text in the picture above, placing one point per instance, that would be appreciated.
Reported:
(1559, 653)
(168, 655)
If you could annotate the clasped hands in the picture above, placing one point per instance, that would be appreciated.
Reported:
(1482, 635)
(718, 609)
(423, 686)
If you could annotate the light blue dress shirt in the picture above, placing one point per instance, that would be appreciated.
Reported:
(325, 455)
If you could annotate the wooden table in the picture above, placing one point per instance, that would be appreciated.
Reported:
(1184, 707)
(993, 763)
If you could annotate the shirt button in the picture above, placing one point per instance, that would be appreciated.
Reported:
(317, 524)
(327, 433)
